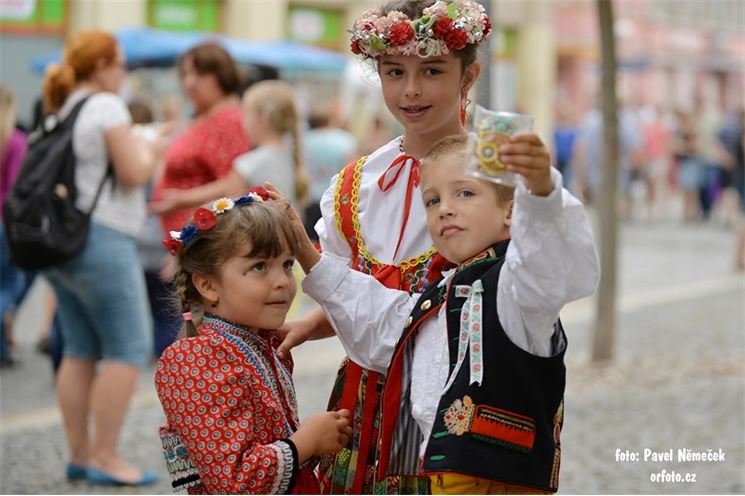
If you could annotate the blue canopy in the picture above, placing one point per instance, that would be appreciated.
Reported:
(145, 47)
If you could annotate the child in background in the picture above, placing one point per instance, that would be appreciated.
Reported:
(483, 416)
(229, 400)
(269, 115)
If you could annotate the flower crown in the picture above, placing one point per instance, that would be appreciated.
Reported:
(205, 219)
(443, 28)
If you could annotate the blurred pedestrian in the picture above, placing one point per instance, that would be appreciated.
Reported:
(588, 157)
(690, 167)
(732, 137)
(707, 122)
(565, 133)
(14, 282)
(205, 151)
(657, 157)
(231, 412)
(328, 148)
(166, 323)
(271, 119)
(101, 291)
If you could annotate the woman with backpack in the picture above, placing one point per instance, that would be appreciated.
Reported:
(101, 291)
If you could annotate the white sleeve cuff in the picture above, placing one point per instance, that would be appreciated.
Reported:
(325, 276)
(541, 207)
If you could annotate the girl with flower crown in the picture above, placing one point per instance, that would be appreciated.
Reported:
(231, 413)
(425, 54)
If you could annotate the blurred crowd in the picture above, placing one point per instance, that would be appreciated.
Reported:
(677, 164)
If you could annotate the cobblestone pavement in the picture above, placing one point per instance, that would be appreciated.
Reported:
(677, 382)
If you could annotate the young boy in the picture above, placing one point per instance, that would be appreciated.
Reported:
(474, 389)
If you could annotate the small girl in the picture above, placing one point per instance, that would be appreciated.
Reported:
(229, 400)
(269, 116)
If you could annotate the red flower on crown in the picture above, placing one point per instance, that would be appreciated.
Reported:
(442, 27)
(172, 245)
(204, 219)
(456, 39)
(487, 27)
(401, 33)
(356, 47)
(263, 193)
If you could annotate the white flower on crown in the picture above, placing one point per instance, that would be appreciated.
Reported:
(255, 197)
(222, 205)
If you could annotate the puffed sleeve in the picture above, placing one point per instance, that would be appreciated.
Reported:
(207, 396)
(328, 234)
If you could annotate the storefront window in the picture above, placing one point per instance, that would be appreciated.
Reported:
(185, 15)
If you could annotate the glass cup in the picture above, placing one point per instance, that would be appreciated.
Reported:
(491, 130)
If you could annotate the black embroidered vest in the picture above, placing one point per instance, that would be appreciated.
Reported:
(507, 428)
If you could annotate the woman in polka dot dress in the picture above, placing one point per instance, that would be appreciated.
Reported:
(232, 423)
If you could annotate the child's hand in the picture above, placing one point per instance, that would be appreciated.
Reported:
(307, 254)
(167, 203)
(322, 434)
(293, 333)
(277, 195)
(525, 154)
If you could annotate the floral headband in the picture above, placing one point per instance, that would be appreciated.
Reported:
(443, 28)
(205, 219)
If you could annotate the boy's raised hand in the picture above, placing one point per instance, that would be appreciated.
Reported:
(525, 154)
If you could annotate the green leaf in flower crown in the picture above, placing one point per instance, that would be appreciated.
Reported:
(425, 22)
(377, 43)
(452, 13)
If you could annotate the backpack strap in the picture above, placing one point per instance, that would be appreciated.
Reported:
(69, 122)
(109, 174)
(71, 117)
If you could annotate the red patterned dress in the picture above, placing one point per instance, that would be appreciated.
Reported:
(230, 408)
(202, 154)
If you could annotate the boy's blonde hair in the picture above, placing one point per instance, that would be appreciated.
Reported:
(455, 146)
(276, 100)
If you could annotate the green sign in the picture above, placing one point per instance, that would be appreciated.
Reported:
(314, 25)
(33, 14)
(184, 15)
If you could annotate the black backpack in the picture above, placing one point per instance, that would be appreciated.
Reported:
(42, 223)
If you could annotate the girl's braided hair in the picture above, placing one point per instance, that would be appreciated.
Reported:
(264, 226)
(276, 100)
